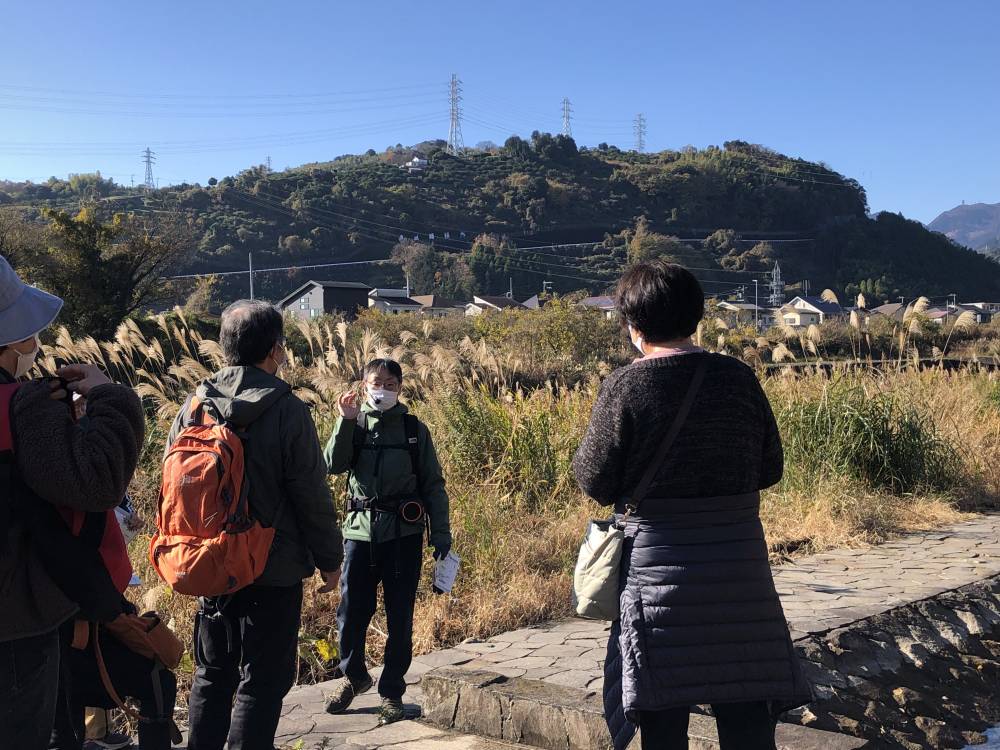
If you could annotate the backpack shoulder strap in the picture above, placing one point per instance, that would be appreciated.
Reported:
(412, 427)
(7, 474)
(193, 411)
(7, 392)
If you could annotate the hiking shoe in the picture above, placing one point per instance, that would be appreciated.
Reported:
(390, 711)
(343, 694)
(110, 741)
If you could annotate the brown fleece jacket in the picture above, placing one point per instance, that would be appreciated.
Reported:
(84, 468)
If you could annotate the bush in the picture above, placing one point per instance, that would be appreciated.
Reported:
(873, 436)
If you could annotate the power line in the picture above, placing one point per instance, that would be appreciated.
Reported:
(455, 142)
(215, 96)
(258, 271)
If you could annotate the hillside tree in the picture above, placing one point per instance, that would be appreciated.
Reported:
(107, 269)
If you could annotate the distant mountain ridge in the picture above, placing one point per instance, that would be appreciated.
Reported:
(543, 213)
(975, 225)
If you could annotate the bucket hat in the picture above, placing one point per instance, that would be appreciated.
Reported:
(24, 310)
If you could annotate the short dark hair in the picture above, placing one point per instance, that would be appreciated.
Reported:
(391, 366)
(250, 330)
(661, 300)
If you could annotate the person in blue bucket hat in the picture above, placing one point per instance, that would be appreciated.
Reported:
(47, 461)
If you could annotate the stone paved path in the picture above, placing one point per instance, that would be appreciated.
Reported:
(819, 593)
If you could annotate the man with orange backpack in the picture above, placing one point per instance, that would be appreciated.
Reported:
(245, 494)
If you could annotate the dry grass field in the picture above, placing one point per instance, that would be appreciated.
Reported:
(869, 453)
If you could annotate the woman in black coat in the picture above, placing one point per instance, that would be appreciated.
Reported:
(701, 622)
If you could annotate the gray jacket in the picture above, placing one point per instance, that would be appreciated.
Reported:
(284, 468)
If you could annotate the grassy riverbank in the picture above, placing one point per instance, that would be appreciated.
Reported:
(868, 454)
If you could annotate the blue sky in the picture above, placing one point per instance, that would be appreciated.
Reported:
(901, 95)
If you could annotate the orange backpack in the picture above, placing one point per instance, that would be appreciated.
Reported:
(206, 544)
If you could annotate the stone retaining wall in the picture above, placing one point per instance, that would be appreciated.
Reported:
(923, 675)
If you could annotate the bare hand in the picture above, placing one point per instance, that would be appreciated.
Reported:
(347, 405)
(83, 377)
(331, 580)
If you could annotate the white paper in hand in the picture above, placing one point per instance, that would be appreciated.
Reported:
(445, 572)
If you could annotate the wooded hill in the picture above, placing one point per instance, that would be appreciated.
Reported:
(569, 217)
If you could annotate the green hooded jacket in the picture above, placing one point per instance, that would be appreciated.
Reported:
(388, 472)
(284, 468)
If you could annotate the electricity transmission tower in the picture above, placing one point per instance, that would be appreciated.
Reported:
(268, 165)
(640, 132)
(455, 143)
(777, 285)
(149, 157)
(567, 111)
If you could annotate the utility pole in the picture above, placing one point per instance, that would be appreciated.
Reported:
(639, 128)
(510, 293)
(250, 258)
(455, 143)
(149, 157)
(567, 129)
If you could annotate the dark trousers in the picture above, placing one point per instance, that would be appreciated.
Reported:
(132, 676)
(742, 726)
(29, 683)
(245, 647)
(396, 565)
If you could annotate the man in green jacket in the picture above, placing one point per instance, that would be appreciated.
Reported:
(394, 488)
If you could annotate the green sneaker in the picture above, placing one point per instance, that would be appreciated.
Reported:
(343, 694)
(390, 711)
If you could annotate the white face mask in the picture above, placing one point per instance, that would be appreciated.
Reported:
(26, 361)
(637, 343)
(382, 399)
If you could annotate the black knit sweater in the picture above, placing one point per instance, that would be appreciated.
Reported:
(729, 444)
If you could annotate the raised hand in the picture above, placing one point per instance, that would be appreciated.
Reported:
(348, 406)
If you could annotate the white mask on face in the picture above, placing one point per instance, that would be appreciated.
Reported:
(26, 361)
(637, 343)
(382, 399)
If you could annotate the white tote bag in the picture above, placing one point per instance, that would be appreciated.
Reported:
(598, 566)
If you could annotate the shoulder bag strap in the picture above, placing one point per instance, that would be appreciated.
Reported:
(647, 479)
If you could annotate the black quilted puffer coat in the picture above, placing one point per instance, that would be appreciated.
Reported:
(700, 619)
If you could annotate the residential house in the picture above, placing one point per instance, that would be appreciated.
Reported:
(393, 301)
(315, 298)
(797, 317)
(532, 303)
(604, 304)
(436, 306)
(986, 309)
(894, 310)
(813, 309)
(747, 312)
(479, 305)
(416, 164)
(938, 315)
